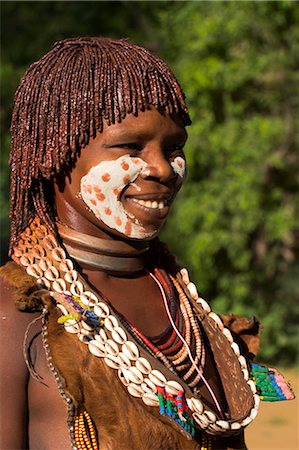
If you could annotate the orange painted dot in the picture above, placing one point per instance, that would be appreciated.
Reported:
(108, 211)
(135, 160)
(125, 165)
(128, 229)
(106, 177)
(127, 179)
(115, 191)
(117, 220)
(93, 201)
(101, 197)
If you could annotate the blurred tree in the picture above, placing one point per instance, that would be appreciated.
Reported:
(238, 215)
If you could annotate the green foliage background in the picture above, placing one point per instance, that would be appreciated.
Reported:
(236, 222)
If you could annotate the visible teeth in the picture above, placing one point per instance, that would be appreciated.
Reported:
(151, 204)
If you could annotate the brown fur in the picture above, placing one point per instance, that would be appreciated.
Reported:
(246, 332)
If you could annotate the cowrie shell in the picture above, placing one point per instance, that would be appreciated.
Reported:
(77, 288)
(228, 335)
(119, 335)
(210, 415)
(257, 400)
(46, 282)
(40, 232)
(85, 332)
(193, 291)
(157, 378)
(213, 426)
(89, 299)
(100, 346)
(101, 310)
(38, 251)
(52, 273)
(135, 390)
(196, 405)
(253, 413)
(50, 242)
(223, 424)
(124, 360)
(130, 350)
(34, 270)
(135, 375)
(173, 387)
(45, 263)
(252, 386)
(86, 326)
(235, 348)
(148, 386)
(112, 361)
(246, 374)
(58, 254)
(66, 265)
(31, 241)
(150, 399)
(101, 336)
(85, 337)
(204, 304)
(123, 375)
(62, 309)
(27, 260)
(96, 350)
(71, 326)
(201, 420)
(185, 276)
(71, 276)
(242, 362)
(143, 365)
(110, 322)
(59, 285)
(19, 251)
(246, 421)
(217, 320)
(235, 426)
(112, 347)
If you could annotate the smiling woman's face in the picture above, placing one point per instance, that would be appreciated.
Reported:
(127, 177)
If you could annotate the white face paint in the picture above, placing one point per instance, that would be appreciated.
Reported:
(101, 188)
(179, 166)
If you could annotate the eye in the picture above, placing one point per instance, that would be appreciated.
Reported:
(175, 150)
(132, 146)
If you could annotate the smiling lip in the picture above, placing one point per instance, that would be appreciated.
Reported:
(154, 207)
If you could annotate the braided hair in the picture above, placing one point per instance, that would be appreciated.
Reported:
(61, 103)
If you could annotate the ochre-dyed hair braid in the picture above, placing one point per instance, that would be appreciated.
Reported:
(63, 100)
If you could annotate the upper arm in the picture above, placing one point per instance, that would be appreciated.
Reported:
(14, 373)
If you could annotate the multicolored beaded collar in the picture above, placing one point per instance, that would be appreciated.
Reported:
(86, 314)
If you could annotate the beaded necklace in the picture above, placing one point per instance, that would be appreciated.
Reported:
(88, 316)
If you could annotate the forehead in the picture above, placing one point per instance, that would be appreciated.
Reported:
(148, 124)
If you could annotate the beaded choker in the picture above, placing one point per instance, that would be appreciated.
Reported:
(112, 256)
(87, 315)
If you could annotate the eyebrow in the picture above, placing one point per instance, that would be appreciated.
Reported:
(132, 135)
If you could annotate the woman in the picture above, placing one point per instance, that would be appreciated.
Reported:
(139, 359)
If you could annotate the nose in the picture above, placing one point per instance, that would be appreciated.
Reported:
(158, 166)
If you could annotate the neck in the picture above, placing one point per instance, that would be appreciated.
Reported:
(113, 256)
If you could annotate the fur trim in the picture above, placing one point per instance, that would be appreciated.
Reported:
(27, 296)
